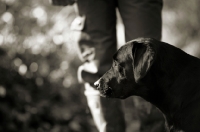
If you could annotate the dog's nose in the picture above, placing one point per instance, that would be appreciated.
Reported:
(97, 84)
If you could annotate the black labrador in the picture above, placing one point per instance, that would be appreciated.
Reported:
(161, 74)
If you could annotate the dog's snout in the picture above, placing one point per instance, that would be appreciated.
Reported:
(97, 84)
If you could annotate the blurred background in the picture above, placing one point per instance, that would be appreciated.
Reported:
(39, 91)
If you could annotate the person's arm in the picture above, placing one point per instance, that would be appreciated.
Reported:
(62, 2)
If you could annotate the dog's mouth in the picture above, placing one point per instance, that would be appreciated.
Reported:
(104, 89)
(106, 92)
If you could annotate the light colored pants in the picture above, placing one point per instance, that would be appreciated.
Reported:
(106, 119)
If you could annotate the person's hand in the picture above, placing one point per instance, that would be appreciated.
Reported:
(62, 2)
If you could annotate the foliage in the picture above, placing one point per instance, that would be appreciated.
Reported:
(38, 63)
(38, 85)
(181, 25)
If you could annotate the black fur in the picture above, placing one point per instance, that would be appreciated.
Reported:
(161, 74)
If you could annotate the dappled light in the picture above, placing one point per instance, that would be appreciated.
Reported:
(39, 90)
(181, 25)
(38, 85)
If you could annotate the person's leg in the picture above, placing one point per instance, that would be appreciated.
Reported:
(107, 113)
(142, 18)
(97, 45)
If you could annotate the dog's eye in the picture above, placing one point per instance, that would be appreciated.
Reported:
(115, 63)
(121, 71)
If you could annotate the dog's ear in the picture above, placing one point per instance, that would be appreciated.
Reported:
(143, 58)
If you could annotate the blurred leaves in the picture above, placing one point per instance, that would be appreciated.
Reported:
(38, 63)
(181, 25)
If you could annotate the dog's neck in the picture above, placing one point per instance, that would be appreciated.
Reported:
(160, 79)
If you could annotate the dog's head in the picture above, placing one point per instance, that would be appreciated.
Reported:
(131, 63)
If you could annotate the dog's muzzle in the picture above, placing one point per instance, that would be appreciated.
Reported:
(97, 84)
(103, 88)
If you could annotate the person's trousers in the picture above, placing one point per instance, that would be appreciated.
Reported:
(141, 18)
